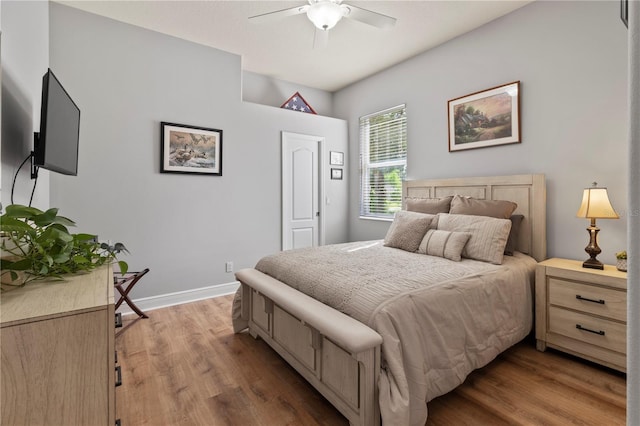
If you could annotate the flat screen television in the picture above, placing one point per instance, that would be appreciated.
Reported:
(55, 148)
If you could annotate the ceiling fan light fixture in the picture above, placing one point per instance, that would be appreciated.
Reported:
(325, 14)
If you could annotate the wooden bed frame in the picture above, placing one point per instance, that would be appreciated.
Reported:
(340, 356)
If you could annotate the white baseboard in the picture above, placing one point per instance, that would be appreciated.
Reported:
(180, 297)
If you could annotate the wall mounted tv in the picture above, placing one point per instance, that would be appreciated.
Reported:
(55, 147)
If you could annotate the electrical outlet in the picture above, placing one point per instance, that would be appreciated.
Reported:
(228, 267)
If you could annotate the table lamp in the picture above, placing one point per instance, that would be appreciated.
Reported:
(595, 205)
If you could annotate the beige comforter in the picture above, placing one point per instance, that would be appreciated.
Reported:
(439, 319)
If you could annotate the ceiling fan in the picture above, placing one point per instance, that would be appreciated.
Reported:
(325, 14)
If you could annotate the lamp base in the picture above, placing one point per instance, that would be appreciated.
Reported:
(592, 249)
(593, 264)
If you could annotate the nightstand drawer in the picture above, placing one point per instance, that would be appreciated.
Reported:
(605, 302)
(595, 331)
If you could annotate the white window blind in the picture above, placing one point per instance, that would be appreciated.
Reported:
(383, 162)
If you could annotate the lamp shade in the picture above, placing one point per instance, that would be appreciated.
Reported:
(325, 14)
(596, 205)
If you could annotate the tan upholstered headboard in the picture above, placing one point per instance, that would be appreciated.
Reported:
(528, 191)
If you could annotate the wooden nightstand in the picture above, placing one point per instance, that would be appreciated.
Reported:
(582, 311)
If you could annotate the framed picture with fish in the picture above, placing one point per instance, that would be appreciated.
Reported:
(190, 149)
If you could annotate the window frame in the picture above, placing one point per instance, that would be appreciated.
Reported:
(366, 165)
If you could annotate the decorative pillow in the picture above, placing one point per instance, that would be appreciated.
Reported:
(488, 235)
(444, 244)
(407, 230)
(429, 205)
(493, 208)
(514, 234)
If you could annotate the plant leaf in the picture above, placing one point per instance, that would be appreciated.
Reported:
(46, 218)
(59, 227)
(64, 221)
(20, 211)
(11, 224)
(20, 265)
(61, 258)
(80, 259)
(119, 247)
(53, 233)
(124, 266)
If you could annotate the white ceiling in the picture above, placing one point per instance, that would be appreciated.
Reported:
(283, 48)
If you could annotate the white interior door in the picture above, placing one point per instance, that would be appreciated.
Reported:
(301, 190)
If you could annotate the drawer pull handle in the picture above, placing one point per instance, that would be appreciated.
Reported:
(599, 301)
(118, 376)
(119, 320)
(600, 332)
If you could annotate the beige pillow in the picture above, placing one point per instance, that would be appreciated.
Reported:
(444, 244)
(488, 235)
(407, 230)
(429, 205)
(493, 208)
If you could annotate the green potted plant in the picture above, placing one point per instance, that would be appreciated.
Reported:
(621, 263)
(37, 245)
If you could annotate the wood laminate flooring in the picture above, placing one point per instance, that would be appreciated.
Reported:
(185, 366)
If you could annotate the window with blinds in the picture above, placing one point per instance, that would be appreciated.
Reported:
(383, 162)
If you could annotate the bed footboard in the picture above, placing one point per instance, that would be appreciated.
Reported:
(338, 355)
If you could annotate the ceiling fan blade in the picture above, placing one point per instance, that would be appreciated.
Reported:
(369, 17)
(320, 39)
(279, 14)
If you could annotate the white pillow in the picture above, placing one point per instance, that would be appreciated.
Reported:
(444, 244)
(488, 235)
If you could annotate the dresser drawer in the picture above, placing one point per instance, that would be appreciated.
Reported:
(588, 329)
(605, 302)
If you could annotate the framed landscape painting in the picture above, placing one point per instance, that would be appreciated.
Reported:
(487, 118)
(190, 149)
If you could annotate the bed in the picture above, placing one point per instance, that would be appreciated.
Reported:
(410, 326)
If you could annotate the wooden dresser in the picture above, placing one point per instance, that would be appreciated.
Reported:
(58, 353)
(582, 311)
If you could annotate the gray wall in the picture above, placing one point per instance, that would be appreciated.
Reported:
(126, 80)
(265, 90)
(25, 58)
(571, 59)
(569, 56)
